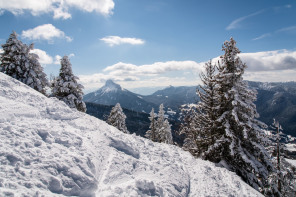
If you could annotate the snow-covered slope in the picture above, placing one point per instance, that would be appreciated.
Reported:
(51, 150)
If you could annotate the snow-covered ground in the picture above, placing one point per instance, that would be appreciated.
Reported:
(49, 149)
(292, 162)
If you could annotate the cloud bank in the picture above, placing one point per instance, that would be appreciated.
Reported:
(45, 32)
(279, 65)
(59, 8)
(116, 40)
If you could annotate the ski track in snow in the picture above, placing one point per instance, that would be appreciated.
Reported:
(49, 149)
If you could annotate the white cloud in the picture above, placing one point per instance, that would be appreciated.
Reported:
(262, 36)
(59, 8)
(279, 65)
(270, 60)
(287, 29)
(237, 22)
(116, 40)
(152, 69)
(57, 59)
(44, 58)
(45, 32)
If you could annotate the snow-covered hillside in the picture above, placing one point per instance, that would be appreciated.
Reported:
(49, 149)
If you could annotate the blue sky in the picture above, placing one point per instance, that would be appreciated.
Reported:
(155, 43)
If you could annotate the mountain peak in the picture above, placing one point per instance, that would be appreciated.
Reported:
(110, 86)
(109, 82)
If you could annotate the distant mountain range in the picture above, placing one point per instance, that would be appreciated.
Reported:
(274, 100)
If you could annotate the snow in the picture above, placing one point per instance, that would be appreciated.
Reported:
(292, 162)
(48, 149)
(291, 147)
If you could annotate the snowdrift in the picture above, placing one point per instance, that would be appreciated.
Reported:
(48, 149)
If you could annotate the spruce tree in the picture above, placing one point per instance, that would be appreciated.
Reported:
(283, 180)
(151, 133)
(207, 109)
(36, 77)
(165, 133)
(189, 128)
(200, 121)
(17, 62)
(15, 58)
(66, 88)
(163, 128)
(117, 118)
(224, 125)
(238, 135)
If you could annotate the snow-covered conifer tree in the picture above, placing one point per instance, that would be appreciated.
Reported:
(151, 133)
(189, 128)
(36, 77)
(200, 121)
(237, 140)
(165, 133)
(66, 88)
(117, 118)
(207, 109)
(283, 180)
(15, 58)
(163, 128)
(18, 62)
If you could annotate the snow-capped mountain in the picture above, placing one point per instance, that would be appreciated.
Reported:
(112, 93)
(274, 100)
(173, 97)
(48, 149)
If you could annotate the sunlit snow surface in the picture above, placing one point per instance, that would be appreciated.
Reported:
(51, 150)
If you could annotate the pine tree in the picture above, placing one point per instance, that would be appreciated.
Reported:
(200, 121)
(165, 133)
(283, 180)
(189, 128)
(163, 128)
(66, 88)
(117, 118)
(151, 133)
(19, 63)
(36, 77)
(14, 59)
(235, 138)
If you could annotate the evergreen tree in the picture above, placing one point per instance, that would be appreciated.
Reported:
(200, 121)
(207, 110)
(165, 133)
(283, 180)
(36, 77)
(151, 133)
(236, 135)
(66, 88)
(163, 128)
(189, 128)
(117, 118)
(19, 63)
